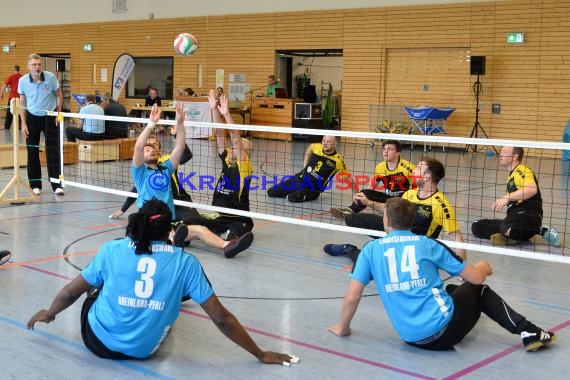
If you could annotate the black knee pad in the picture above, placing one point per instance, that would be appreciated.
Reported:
(477, 229)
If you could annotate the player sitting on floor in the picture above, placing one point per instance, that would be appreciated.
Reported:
(321, 163)
(434, 212)
(232, 188)
(153, 180)
(524, 206)
(135, 287)
(392, 177)
(405, 270)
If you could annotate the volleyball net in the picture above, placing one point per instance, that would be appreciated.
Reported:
(473, 179)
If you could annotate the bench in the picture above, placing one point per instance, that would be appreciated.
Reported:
(99, 150)
(70, 154)
(7, 156)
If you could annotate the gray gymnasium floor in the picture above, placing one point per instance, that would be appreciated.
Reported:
(284, 290)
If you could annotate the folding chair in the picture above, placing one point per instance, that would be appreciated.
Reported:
(428, 120)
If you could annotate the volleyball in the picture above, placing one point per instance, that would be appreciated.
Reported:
(185, 44)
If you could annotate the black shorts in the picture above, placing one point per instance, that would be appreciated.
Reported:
(90, 339)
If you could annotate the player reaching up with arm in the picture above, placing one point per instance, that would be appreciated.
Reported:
(152, 180)
(232, 187)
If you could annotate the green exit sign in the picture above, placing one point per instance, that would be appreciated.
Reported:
(515, 38)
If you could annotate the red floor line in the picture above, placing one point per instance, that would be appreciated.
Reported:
(497, 356)
(324, 349)
(55, 213)
(48, 272)
(269, 222)
(44, 259)
(108, 225)
(457, 375)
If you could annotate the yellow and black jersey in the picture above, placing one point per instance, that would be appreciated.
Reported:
(178, 191)
(394, 182)
(520, 177)
(321, 166)
(433, 214)
(232, 188)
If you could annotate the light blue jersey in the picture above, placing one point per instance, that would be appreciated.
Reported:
(405, 267)
(154, 183)
(40, 97)
(141, 294)
(93, 125)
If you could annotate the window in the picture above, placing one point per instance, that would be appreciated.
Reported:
(151, 72)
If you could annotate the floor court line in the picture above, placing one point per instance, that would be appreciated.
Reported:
(298, 258)
(552, 307)
(42, 215)
(45, 259)
(81, 347)
(270, 222)
(293, 341)
(322, 349)
(499, 355)
(103, 226)
(456, 375)
(48, 272)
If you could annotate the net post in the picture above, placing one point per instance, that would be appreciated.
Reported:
(16, 182)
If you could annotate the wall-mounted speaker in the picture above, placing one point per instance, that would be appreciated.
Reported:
(60, 65)
(478, 65)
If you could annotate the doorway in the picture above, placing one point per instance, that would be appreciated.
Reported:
(60, 65)
(298, 69)
(313, 75)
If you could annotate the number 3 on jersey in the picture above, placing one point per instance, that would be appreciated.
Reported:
(147, 268)
(407, 265)
(318, 166)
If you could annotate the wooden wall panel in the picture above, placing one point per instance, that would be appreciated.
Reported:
(432, 77)
(363, 71)
(382, 51)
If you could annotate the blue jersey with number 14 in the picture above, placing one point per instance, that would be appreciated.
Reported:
(405, 268)
(141, 294)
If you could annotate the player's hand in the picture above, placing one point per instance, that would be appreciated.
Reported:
(155, 113)
(360, 198)
(25, 129)
(269, 357)
(41, 316)
(223, 107)
(180, 112)
(116, 215)
(485, 267)
(212, 101)
(500, 204)
(338, 330)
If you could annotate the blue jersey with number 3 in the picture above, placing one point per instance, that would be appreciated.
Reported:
(141, 294)
(405, 268)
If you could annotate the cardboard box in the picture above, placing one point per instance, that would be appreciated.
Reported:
(70, 154)
(96, 151)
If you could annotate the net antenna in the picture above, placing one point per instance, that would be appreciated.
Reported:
(477, 68)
